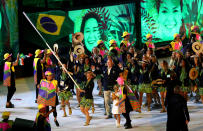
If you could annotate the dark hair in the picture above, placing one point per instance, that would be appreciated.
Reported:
(131, 55)
(87, 59)
(88, 16)
(158, 4)
(114, 52)
(165, 62)
(173, 75)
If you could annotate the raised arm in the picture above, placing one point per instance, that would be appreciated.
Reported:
(183, 37)
(44, 58)
(17, 60)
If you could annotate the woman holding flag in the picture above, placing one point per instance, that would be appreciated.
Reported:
(87, 100)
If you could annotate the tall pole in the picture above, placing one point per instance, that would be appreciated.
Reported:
(51, 49)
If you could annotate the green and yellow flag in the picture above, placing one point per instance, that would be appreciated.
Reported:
(53, 25)
(50, 24)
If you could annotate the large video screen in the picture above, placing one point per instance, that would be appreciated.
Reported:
(104, 23)
(164, 18)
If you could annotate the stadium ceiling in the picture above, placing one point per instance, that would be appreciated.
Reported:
(42, 5)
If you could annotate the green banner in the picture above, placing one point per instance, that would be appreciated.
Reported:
(53, 25)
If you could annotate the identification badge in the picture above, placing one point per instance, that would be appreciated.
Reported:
(61, 83)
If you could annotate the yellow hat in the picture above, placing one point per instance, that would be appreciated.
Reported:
(193, 73)
(148, 36)
(111, 48)
(176, 35)
(48, 51)
(7, 55)
(194, 27)
(5, 115)
(41, 106)
(48, 73)
(125, 34)
(38, 51)
(99, 42)
(112, 42)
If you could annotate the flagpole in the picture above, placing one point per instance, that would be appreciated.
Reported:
(50, 49)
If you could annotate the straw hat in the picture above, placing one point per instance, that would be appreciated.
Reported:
(125, 34)
(38, 51)
(148, 36)
(7, 55)
(100, 42)
(5, 115)
(48, 73)
(194, 27)
(41, 106)
(79, 49)
(197, 47)
(193, 74)
(112, 42)
(176, 35)
(77, 37)
(56, 47)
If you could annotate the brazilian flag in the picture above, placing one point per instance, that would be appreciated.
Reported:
(50, 24)
(53, 25)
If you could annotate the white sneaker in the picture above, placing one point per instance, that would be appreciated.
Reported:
(118, 125)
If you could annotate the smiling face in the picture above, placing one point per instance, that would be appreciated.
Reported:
(87, 61)
(110, 63)
(164, 66)
(9, 59)
(183, 63)
(128, 56)
(131, 50)
(49, 77)
(169, 17)
(127, 37)
(95, 51)
(89, 76)
(150, 39)
(91, 33)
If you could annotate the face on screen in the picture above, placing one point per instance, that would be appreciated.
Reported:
(169, 18)
(91, 33)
